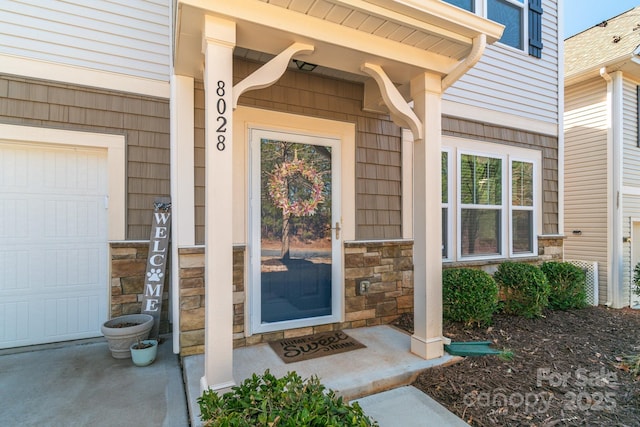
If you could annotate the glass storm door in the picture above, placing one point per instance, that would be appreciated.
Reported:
(295, 228)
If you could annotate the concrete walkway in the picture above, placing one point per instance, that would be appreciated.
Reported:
(80, 384)
(379, 371)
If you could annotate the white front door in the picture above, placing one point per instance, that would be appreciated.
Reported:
(53, 243)
(295, 230)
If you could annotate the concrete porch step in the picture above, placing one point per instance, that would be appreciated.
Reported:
(385, 364)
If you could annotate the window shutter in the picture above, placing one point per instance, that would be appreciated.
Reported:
(535, 28)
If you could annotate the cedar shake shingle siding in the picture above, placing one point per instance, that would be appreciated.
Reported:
(547, 144)
(378, 143)
(144, 121)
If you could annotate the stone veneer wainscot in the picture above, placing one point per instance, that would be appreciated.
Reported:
(128, 268)
(387, 265)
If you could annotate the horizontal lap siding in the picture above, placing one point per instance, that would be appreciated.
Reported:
(143, 120)
(378, 168)
(118, 36)
(586, 178)
(511, 81)
(631, 178)
(631, 156)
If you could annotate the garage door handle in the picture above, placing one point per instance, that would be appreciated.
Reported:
(106, 202)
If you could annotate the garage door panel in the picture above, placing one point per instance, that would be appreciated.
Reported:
(14, 322)
(15, 271)
(73, 267)
(36, 219)
(66, 266)
(76, 172)
(53, 244)
(72, 218)
(15, 218)
(71, 315)
(48, 318)
(13, 169)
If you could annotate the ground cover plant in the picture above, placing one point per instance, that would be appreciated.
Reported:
(569, 368)
(289, 401)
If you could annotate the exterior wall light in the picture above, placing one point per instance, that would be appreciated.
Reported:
(304, 66)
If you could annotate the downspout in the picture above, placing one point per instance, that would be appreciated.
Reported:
(477, 50)
(617, 116)
(174, 294)
(479, 44)
(174, 267)
(634, 57)
(561, 144)
(614, 165)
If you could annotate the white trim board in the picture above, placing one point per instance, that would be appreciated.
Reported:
(45, 70)
(485, 115)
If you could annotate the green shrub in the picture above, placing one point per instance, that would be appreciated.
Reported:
(524, 287)
(468, 296)
(290, 401)
(567, 283)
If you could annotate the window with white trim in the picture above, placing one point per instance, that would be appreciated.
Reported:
(481, 205)
(521, 207)
(510, 13)
(519, 25)
(446, 189)
(496, 211)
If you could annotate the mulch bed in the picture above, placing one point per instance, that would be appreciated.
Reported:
(567, 369)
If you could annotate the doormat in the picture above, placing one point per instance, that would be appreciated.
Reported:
(311, 346)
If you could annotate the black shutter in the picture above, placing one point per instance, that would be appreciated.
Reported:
(535, 28)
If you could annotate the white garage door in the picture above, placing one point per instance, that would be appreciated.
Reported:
(53, 243)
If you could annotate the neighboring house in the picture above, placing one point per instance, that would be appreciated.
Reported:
(312, 137)
(602, 173)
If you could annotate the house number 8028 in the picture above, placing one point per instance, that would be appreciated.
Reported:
(221, 108)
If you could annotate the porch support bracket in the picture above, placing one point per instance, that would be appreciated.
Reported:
(270, 72)
(401, 112)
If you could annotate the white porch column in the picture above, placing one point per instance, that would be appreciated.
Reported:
(427, 342)
(182, 183)
(218, 43)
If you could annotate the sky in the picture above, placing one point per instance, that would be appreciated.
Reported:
(582, 14)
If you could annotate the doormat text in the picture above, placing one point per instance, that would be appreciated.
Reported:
(312, 346)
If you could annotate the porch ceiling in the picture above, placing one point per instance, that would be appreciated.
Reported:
(404, 37)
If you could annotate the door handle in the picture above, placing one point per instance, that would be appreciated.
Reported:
(337, 228)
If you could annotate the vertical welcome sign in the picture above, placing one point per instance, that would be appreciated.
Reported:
(157, 262)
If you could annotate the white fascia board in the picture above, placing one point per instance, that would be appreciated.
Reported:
(594, 70)
(44, 70)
